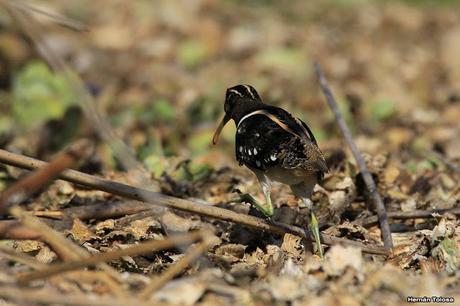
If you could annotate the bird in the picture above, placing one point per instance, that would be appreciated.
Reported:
(276, 146)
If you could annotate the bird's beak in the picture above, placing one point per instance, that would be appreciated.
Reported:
(224, 121)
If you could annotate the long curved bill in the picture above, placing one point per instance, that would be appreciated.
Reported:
(224, 121)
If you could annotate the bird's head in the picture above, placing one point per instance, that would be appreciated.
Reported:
(239, 100)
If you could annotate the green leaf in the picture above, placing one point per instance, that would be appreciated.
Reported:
(163, 110)
(5, 124)
(200, 141)
(411, 166)
(289, 60)
(448, 252)
(155, 164)
(39, 95)
(192, 53)
(159, 111)
(383, 110)
(190, 171)
(199, 171)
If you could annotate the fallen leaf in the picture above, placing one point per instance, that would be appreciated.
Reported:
(285, 288)
(391, 173)
(338, 258)
(26, 246)
(80, 231)
(46, 255)
(292, 245)
(184, 291)
(175, 224)
(139, 228)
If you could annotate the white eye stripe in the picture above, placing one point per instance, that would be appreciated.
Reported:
(236, 92)
(255, 151)
(273, 157)
(249, 91)
(241, 149)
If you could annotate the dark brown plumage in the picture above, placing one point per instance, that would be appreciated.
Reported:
(276, 146)
(271, 142)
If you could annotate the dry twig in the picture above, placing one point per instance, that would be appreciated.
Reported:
(158, 282)
(378, 203)
(57, 18)
(181, 204)
(12, 229)
(27, 260)
(415, 214)
(33, 296)
(142, 248)
(25, 18)
(36, 180)
(63, 247)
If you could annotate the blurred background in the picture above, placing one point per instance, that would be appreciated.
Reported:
(159, 70)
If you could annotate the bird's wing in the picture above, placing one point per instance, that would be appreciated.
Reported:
(305, 154)
(258, 141)
(271, 137)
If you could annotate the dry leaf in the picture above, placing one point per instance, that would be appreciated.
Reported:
(338, 258)
(26, 246)
(80, 231)
(139, 228)
(46, 255)
(172, 223)
(292, 245)
(108, 224)
(184, 291)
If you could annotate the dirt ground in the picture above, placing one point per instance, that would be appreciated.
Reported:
(158, 71)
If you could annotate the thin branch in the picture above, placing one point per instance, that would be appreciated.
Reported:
(57, 18)
(142, 248)
(37, 179)
(27, 260)
(240, 296)
(158, 282)
(52, 214)
(12, 229)
(64, 247)
(106, 210)
(415, 214)
(80, 276)
(378, 203)
(32, 28)
(47, 297)
(156, 198)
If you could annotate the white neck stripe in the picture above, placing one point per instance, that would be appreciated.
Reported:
(261, 112)
(269, 116)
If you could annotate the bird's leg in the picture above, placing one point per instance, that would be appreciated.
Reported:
(267, 209)
(304, 191)
(314, 227)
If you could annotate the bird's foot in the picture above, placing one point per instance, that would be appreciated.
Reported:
(314, 228)
(266, 210)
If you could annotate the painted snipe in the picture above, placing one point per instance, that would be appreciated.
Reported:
(276, 146)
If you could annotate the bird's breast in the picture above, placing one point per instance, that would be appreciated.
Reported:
(288, 176)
